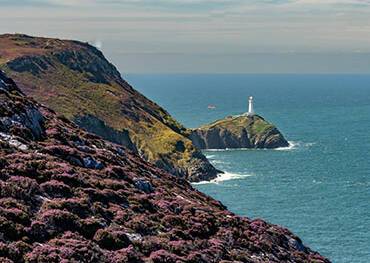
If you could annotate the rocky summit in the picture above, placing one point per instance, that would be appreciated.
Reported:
(76, 80)
(69, 196)
(242, 131)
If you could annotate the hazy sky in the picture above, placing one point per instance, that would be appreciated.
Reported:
(237, 36)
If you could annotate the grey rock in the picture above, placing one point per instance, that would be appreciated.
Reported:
(144, 186)
(28, 117)
(91, 163)
(97, 126)
(13, 141)
(297, 244)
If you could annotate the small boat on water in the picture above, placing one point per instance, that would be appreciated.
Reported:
(211, 107)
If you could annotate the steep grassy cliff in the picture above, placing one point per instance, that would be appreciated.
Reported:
(75, 80)
(240, 131)
(69, 196)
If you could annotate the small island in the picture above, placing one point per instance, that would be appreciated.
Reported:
(248, 130)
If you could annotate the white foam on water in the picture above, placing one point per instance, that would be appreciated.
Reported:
(231, 150)
(295, 145)
(216, 150)
(292, 146)
(215, 162)
(225, 177)
(309, 144)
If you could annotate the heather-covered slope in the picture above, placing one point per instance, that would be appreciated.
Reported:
(69, 196)
(240, 131)
(75, 80)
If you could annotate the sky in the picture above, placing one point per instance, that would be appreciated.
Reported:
(207, 36)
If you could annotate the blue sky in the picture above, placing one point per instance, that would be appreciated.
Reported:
(207, 36)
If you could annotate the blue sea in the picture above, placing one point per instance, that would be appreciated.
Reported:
(319, 187)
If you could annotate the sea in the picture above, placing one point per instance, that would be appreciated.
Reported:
(319, 186)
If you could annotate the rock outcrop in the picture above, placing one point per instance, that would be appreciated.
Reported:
(97, 126)
(240, 131)
(69, 196)
(76, 80)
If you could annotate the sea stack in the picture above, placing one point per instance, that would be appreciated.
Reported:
(248, 130)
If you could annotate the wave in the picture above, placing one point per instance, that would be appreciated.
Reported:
(217, 150)
(295, 145)
(230, 150)
(292, 146)
(216, 162)
(224, 177)
(309, 144)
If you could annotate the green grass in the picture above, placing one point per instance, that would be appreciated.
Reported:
(236, 124)
(261, 126)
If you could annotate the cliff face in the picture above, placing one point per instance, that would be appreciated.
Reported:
(97, 126)
(75, 80)
(238, 132)
(69, 196)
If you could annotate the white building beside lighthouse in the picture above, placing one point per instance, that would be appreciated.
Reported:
(250, 107)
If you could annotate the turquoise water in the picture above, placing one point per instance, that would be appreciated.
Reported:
(320, 187)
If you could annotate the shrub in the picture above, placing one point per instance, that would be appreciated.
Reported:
(56, 189)
(111, 239)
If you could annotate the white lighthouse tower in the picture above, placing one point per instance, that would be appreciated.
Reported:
(250, 108)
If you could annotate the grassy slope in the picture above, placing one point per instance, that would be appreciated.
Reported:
(71, 93)
(235, 124)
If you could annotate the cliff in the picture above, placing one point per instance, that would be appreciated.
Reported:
(69, 196)
(240, 131)
(76, 80)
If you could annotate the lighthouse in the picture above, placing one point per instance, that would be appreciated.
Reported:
(250, 108)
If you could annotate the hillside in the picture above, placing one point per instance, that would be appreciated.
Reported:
(75, 80)
(69, 196)
(241, 131)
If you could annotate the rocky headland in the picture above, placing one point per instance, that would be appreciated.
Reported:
(241, 131)
(69, 196)
(77, 81)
